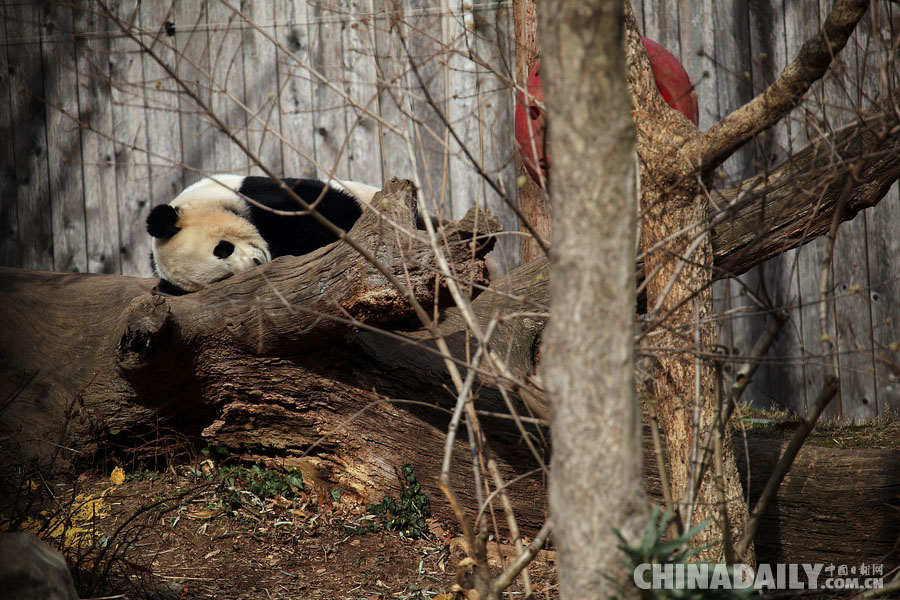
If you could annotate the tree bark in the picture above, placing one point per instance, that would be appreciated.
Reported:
(678, 266)
(679, 260)
(532, 198)
(588, 370)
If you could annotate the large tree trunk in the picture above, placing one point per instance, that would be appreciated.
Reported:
(675, 158)
(596, 490)
(679, 271)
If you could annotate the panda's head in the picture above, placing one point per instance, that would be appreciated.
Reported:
(204, 236)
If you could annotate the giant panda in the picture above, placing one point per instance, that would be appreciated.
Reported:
(210, 231)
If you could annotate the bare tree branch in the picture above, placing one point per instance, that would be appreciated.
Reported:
(764, 216)
(729, 134)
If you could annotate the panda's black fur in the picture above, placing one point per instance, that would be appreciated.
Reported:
(298, 235)
(210, 231)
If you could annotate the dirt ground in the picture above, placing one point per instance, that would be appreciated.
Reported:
(190, 532)
(171, 536)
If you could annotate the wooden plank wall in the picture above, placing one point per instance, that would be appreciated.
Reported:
(731, 53)
(95, 130)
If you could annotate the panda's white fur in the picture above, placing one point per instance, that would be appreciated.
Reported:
(210, 231)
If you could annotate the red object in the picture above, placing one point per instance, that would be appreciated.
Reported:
(676, 87)
(531, 135)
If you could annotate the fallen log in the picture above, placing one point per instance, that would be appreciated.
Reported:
(285, 363)
(82, 355)
(836, 506)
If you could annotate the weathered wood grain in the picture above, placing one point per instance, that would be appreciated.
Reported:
(161, 94)
(802, 21)
(782, 381)
(227, 75)
(393, 81)
(661, 20)
(358, 55)
(697, 42)
(29, 151)
(63, 140)
(881, 241)
(852, 334)
(496, 101)
(261, 85)
(424, 37)
(132, 162)
(330, 109)
(462, 107)
(294, 88)
(192, 66)
(743, 323)
(10, 248)
(97, 146)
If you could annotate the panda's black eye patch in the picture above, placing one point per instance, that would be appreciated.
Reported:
(224, 249)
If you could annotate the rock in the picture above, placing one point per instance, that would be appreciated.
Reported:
(32, 570)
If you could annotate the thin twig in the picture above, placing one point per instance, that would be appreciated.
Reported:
(828, 345)
(693, 492)
(675, 526)
(510, 521)
(461, 399)
(743, 376)
(718, 431)
(505, 579)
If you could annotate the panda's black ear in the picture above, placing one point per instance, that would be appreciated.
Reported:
(161, 221)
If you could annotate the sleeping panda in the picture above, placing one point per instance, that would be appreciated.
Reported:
(210, 231)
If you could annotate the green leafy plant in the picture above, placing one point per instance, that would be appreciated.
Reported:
(260, 483)
(145, 474)
(654, 549)
(242, 486)
(215, 450)
(406, 515)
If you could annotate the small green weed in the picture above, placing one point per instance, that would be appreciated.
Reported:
(653, 549)
(406, 515)
(145, 474)
(213, 451)
(242, 486)
(260, 482)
